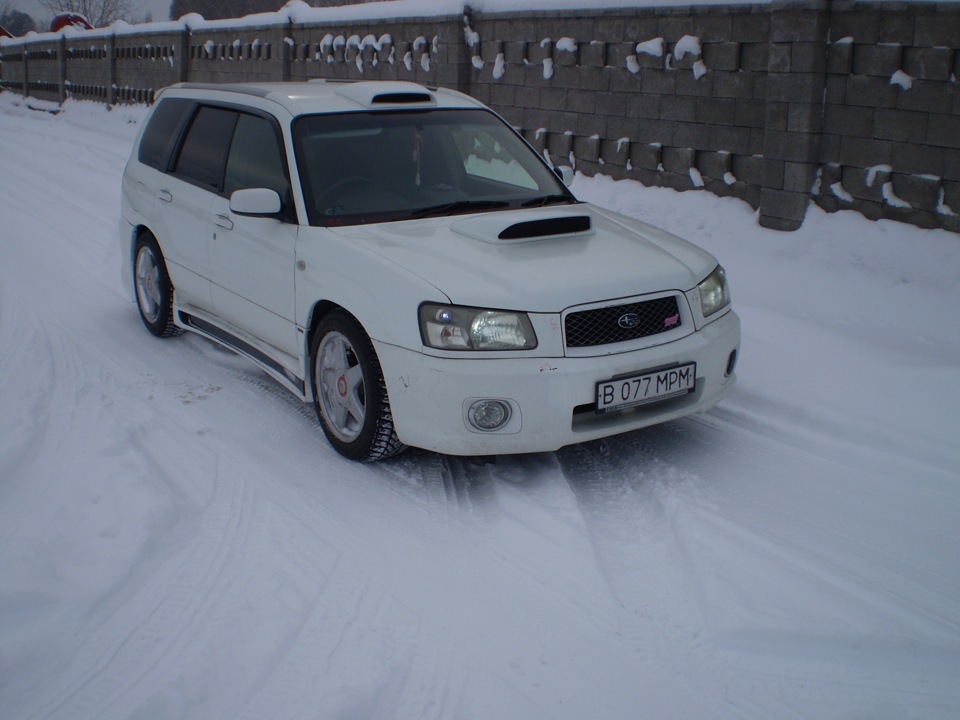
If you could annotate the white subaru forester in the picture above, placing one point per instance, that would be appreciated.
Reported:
(402, 258)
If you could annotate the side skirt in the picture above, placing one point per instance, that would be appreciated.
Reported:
(222, 337)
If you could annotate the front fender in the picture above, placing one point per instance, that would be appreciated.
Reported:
(383, 296)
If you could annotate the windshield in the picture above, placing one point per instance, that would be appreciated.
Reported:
(381, 167)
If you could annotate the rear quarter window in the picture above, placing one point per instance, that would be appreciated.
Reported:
(160, 136)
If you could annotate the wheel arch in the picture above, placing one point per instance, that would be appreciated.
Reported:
(378, 436)
(136, 232)
(141, 230)
(319, 310)
(158, 292)
(130, 236)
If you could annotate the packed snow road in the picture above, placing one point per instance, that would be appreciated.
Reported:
(177, 540)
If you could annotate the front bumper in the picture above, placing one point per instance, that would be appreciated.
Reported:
(552, 398)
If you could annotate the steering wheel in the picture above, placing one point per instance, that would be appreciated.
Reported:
(339, 190)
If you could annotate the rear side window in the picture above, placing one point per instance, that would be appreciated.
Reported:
(163, 130)
(204, 151)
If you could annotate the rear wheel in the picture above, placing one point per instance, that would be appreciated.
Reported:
(349, 391)
(153, 288)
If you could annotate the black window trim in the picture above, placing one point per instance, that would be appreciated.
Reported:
(288, 212)
(288, 209)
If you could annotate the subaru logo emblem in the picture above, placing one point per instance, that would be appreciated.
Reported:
(628, 320)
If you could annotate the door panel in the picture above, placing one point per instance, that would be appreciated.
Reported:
(253, 276)
(182, 229)
(253, 257)
(187, 194)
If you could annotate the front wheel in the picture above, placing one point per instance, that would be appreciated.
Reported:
(153, 287)
(349, 391)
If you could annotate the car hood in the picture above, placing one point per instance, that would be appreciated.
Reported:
(554, 258)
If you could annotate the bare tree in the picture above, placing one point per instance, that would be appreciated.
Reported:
(99, 13)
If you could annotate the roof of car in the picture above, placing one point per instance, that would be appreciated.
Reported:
(300, 98)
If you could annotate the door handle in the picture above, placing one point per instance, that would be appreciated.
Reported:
(224, 222)
(165, 195)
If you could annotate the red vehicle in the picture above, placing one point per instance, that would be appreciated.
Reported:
(69, 20)
(4, 33)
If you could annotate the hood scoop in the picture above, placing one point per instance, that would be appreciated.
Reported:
(547, 227)
(386, 92)
(498, 227)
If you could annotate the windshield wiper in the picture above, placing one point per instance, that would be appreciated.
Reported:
(460, 206)
(548, 200)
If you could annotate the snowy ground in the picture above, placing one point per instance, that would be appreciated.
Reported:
(178, 541)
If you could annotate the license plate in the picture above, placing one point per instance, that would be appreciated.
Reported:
(649, 387)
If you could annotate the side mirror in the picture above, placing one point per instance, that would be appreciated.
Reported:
(256, 201)
(565, 173)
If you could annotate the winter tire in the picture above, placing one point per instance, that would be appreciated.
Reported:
(153, 288)
(349, 391)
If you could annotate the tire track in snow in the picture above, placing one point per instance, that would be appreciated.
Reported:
(761, 573)
(455, 486)
(553, 567)
(122, 658)
(357, 649)
(796, 471)
(838, 676)
(630, 499)
(803, 573)
(25, 352)
(526, 495)
(773, 425)
(86, 201)
(44, 361)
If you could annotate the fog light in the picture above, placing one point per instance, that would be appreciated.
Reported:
(489, 415)
(731, 363)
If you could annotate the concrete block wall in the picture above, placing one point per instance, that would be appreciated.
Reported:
(846, 104)
(890, 144)
(421, 50)
(36, 68)
(12, 67)
(141, 64)
(674, 97)
(252, 54)
(755, 102)
(83, 61)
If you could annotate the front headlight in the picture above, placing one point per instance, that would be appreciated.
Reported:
(714, 292)
(450, 327)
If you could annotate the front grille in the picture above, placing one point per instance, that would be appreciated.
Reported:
(603, 326)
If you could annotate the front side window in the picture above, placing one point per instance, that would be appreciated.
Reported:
(204, 150)
(392, 166)
(255, 159)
